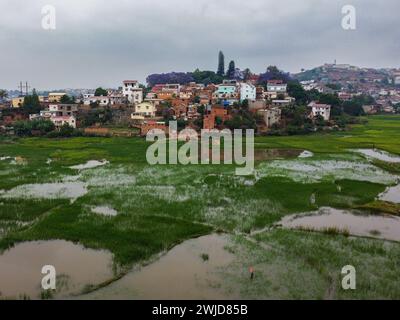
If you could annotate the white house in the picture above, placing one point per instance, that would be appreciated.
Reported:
(271, 116)
(276, 86)
(60, 121)
(59, 114)
(102, 101)
(146, 109)
(132, 91)
(62, 110)
(323, 110)
(309, 85)
(247, 92)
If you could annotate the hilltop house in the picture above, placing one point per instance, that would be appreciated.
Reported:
(55, 97)
(323, 110)
(132, 91)
(145, 109)
(247, 92)
(276, 86)
(59, 114)
(271, 116)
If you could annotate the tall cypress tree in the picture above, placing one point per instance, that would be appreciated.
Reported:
(221, 64)
(231, 70)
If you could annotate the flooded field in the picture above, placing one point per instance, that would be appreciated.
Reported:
(342, 221)
(77, 268)
(105, 211)
(274, 154)
(62, 190)
(135, 213)
(379, 155)
(90, 165)
(191, 270)
(392, 194)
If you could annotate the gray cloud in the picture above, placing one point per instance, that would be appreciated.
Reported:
(99, 42)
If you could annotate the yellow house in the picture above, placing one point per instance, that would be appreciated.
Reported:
(17, 102)
(56, 96)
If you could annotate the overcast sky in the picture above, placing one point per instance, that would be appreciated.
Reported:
(102, 42)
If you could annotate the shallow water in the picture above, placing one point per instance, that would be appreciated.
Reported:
(392, 194)
(180, 274)
(310, 171)
(382, 227)
(105, 211)
(274, 154)
(306, 154)
(62, 190)
(20, 268)
(90, 165)
(379, 155)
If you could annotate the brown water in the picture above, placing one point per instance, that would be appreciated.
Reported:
(381, 227)
(391, 194)
(275, 154)
(76, 267)
(180, 274)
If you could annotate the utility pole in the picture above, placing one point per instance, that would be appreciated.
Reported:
(20, 88)
(26, 87)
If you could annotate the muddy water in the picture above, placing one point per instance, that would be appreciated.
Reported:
(181, 274)
(76, 267)
(392, 194)
(275, 154)
(382, 227)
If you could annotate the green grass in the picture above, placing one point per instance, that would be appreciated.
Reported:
(381, 132)
(307, 265)
(161, 206)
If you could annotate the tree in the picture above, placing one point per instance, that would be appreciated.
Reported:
(66, 130)
(331, 99)
(31, 103)
(25, 128)
(206, 77)
(296, 90)
(171, 77)
(3, 94)
(100, 92)
(231, 70)
(246, 74)
(245, 104)
(221, 64)
(67, 99)
(273, 73)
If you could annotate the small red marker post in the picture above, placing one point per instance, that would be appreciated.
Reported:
(251, 269)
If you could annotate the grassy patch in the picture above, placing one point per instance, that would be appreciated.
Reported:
(382, 207)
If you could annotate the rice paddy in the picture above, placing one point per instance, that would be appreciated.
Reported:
(100, 193)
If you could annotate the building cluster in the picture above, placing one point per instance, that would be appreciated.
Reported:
(211, 106)
(349, 81)
(197, 105)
